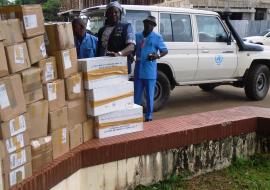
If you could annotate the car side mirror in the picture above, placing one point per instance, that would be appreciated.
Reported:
(229, 39)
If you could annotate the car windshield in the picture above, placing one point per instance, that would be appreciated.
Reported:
(96, 20)
(263, 33)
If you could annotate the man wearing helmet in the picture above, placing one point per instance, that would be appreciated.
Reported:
(116, 38)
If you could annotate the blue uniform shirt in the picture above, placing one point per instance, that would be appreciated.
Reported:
(86, 48)
(145, 69)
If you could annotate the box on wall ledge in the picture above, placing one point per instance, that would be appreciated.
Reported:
(31, 17)
(16, 159)
(66, 61)
(12, 101)
(76, 111)
(103, 71)
(36, 49)
(58, 119)
(15, 126)
(88, 129)
(54, 92)
(60, 142)
(74, 87)
(75, 135)
(38, 116)
(32, 86)
(40, 145)
(17, 57)
(3, 61)
(119, 122)
(49, 70)
(109, 98)
(17, 175)
(11, 31)
(59, 35)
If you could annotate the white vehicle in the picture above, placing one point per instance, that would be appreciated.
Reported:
(201, 50)
(262, 39)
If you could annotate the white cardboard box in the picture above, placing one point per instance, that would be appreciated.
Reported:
(110, 98)
(103, 71)
(119, 122)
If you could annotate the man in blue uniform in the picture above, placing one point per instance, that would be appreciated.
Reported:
(149, 47)
(116, 38)
(85, 43)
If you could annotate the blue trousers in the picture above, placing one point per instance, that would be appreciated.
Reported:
(149, 86)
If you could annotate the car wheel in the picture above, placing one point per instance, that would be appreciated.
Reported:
(162, 92)
(257, 82)
(207, 87)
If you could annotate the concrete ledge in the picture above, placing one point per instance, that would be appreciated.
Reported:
(158, 136)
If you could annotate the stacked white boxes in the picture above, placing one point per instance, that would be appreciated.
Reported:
(110, 96)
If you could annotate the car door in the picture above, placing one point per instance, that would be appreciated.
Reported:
(267, 39)
(176, 30)
(217, 58)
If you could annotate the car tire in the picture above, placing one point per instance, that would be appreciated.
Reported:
(207, 87)
(257, 82)
(162, 92)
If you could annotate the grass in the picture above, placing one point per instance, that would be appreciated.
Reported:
(253, 174)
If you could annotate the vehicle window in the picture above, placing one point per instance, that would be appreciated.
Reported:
(95, 22)
(181, 28)
(136, 19)
(210, 29)
(165, 28)
(268, 35)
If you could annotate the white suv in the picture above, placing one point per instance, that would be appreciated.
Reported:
(203, 50)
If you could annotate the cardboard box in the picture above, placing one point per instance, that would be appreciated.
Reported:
(76, 111)
(41, 160)
(36, 48)
(32, 87)
(31, 17)
(12, 101)
(49, 70)
(54, 92)
(3, 61)
(11, 31)
(17, 175)
(66, 61)
(119, 122)
(38, 113)
(74, 87)
(16, 159)
(60, 36)
(103, 71)
(17, 57)
(76, 136)
(12, 144)
(58, 119)
(41, 145)
(88, 129)
(110, 98)
(15, 126)
(60, 142)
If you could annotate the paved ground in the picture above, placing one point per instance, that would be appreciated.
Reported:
(191, 99)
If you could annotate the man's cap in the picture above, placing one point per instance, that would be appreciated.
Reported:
(114, 4)
(151, 19)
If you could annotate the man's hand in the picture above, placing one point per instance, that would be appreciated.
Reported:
(112, 54)
(153, 56)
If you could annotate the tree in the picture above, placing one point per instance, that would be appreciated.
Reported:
(50, 10)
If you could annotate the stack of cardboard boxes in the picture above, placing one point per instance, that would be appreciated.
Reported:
(23, 113)
(110, 96)
(43, 95)
(61, 46)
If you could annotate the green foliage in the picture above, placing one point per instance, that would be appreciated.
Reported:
(50, 7)
(253, 173)
(175, 182)
(50, 10)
